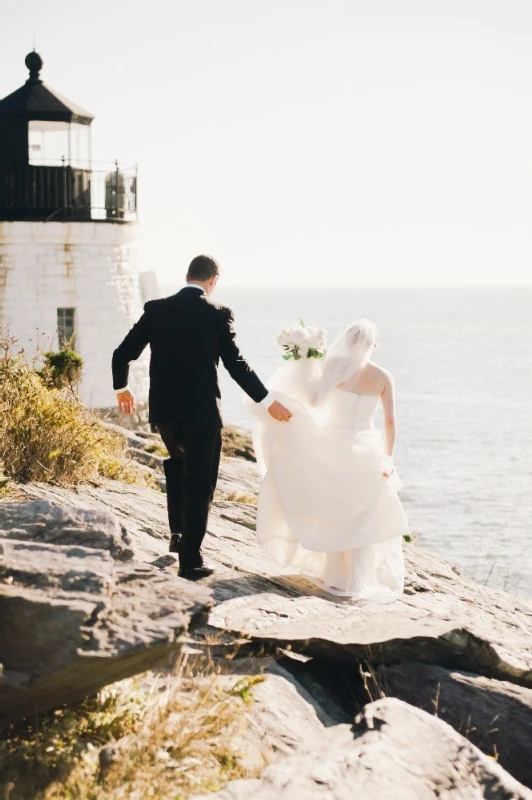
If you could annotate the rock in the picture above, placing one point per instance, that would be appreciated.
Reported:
(126, 428)
(139, 509)
(496, 716)
(237, 443)
(72, 618)
(148, 459)
(239, 477)
(102, 619)
(395, 752)
(42, 521)
(444, 618)
(280, 717)
(321, 703)
(317, 691)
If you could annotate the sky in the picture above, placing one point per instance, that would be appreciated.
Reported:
(306, 142)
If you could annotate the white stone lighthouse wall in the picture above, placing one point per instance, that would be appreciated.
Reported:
(88, 266)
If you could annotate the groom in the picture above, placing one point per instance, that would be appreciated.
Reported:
(188, 335)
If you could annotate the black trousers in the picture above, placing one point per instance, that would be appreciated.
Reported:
(191, 476)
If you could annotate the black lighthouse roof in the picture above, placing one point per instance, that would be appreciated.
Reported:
(34, 101)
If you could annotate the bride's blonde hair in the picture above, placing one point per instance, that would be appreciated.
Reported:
(346, 358)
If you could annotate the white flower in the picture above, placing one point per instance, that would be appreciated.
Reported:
(299, 335)
(283, 337)
(315, 339)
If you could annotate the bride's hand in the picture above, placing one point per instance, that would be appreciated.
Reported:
(388, 467)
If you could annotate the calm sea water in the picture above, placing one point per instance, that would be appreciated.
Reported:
(462, 361)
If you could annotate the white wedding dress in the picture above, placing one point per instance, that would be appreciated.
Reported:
(325, 507)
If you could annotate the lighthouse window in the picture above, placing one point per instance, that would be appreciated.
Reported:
(80, 149)
(48, 143)
(65, 327)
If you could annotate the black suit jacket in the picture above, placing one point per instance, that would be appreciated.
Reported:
(188, 335)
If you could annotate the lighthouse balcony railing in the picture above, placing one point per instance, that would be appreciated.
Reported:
(61, 191)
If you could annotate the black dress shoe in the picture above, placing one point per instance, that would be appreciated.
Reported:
(196, 573)
(175, 543)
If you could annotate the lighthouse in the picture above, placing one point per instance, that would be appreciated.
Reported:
(68, 228)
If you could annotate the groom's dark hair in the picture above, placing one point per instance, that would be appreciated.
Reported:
(203, 268)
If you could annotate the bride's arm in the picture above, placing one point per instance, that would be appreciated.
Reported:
(388, 406)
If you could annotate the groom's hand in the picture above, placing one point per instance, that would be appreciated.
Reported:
(126, 402)
(279, 412)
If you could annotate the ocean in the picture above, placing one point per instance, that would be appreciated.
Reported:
(462, 362)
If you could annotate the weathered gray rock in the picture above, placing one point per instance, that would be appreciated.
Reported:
(42, 521)
(322, 704)
(395, 752)
(281, 717)
(73, 619)
(495, 715)
(328, 705)
(443, 618)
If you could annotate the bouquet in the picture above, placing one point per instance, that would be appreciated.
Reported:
(302, 341)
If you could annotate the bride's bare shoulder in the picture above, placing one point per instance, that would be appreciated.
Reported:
(382, 377)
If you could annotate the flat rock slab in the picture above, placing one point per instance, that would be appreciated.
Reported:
(73, 618)
(395, 752)
(496, 716)
(44, 521)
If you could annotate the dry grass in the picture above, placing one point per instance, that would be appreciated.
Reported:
(6, 487)
(47, 435)
(162, 737)
(371, 681)
(236, 443)
(156, 448)
(237, 497)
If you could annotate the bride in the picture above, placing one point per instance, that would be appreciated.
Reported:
(328, 505)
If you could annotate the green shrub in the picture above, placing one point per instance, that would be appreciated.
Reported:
(46, 434)
(61, 369)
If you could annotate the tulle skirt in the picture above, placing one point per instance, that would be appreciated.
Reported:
(325, 507)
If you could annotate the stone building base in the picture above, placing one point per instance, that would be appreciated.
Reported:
(90, 267)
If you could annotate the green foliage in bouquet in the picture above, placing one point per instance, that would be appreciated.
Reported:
(314, 353)
(295, 354)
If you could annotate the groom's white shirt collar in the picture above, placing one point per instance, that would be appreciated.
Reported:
(194, 286)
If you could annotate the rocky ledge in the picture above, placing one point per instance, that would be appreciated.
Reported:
(420, 698)
(76, 612)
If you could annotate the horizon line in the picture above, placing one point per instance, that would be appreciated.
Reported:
(320, 287)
